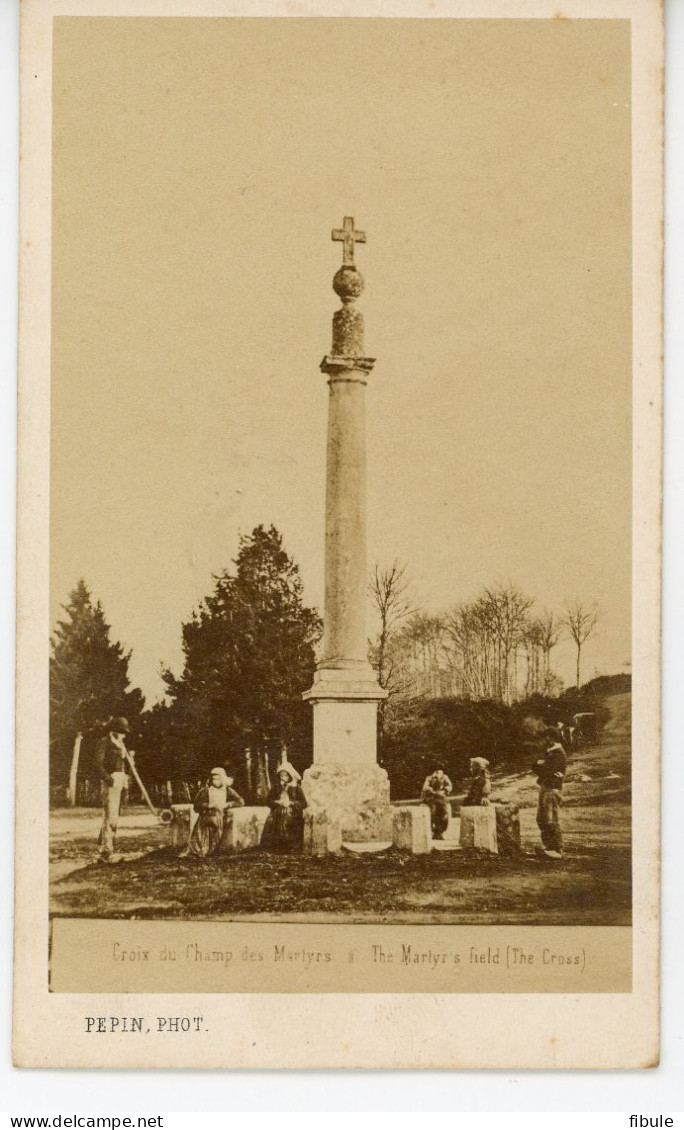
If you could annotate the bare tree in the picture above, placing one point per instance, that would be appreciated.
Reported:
(580, 620)
(469, 646)
(549, 634)
(389, 588)
(420, 647)
(532, 643)
(507, 607)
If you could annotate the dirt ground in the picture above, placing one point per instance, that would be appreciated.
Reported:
(590, 886)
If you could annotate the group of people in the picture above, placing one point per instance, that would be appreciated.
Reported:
(437, 789)
(550, 771)
(284, 828)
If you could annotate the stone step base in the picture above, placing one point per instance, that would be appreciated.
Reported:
(369, 846)
(446, 845)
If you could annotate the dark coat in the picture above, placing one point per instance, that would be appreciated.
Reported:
(108, 759)
(284, 828)
(550, 769)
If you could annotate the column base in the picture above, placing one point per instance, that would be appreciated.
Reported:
(353, 797)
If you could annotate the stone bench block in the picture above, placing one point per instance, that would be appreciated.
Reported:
(411, 829)
(322, 833)
(244, 827)
(374, 826)
(478, 828)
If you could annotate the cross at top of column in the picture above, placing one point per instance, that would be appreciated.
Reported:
(348, 236)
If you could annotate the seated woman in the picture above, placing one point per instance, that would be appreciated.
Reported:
(480, 783)
(284, 828)
(210, 805)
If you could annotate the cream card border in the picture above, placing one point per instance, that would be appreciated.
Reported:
(339, 1030)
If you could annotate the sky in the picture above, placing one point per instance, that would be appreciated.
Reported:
(199, 166)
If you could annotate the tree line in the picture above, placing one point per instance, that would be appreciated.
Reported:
(249, 651)
(494, 647)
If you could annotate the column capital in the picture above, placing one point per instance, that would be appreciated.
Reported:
(348, 684)
(340, 368)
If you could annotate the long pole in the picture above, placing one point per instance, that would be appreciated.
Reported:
(138, 781)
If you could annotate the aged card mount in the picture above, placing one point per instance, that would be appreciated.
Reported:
(338, 646)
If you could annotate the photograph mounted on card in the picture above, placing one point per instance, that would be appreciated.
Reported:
(338, 651)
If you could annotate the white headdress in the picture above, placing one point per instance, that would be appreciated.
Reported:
(220, 772)
(286, 766)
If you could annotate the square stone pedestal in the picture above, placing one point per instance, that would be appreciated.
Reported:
(345, 785)
(478, 828)
(411, 829)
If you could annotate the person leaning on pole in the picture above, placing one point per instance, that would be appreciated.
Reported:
(110, 759)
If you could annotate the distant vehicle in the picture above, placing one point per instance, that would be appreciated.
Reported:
(586, 727)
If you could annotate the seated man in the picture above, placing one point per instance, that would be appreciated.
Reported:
(480, 783)
(434, 794)
(210, 805)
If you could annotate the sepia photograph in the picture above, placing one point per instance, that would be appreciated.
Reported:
(344, 639)
(339, 505)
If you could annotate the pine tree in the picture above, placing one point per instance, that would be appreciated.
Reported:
(249, 655)
(88, 683)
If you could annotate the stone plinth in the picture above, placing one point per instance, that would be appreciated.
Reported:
(411, 829)
(478, 828)
(344, 717)
(345, 782)
(322, 834)
(353, 796)
(243, 827)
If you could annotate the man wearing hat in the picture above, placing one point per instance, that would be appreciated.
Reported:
(110, 759)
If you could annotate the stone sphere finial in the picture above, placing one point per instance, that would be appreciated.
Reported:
(348, 283)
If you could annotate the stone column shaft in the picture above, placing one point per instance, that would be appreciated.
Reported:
(344, 639)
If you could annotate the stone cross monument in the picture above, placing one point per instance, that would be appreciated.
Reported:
(345, 783)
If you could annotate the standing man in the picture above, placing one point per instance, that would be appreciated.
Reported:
(110, 759)
(550, 770)
(435, 793)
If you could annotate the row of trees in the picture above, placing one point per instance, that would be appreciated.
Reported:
(249, 652)
(89, 683)
(495, 647)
